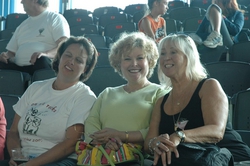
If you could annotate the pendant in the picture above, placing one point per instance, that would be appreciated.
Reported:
(175, 127)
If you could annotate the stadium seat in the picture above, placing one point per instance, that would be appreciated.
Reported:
(183, 13)
(240, 52)
(80, 20)
(98, 40)
(105, 10)
(103, 57)
(201, 3)
(191, 25)
(112, 18)
(103, 77)
(3, 44)
(14, 20)
(13, 82)
(134, 8)
(80, 30)
(76, 12)
(6, 34)
(233, 76)
(43, 74)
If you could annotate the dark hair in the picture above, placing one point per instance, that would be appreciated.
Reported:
(44, 3)
(91, 52)
(150, 4)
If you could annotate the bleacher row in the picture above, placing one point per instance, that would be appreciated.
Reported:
(104, 24)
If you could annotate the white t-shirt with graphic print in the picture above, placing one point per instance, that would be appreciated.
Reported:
(47, 113)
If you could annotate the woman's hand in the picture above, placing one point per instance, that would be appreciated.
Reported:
(163, 146)
(113, 144)
(103, 136)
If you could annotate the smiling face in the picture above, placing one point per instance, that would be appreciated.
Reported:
(173, 62)
(134, 67)
(73, 62)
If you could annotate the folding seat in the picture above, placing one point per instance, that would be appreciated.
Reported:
(233, 76)
(76, 12)
(209, 55)
(176, 4)
(9, 101)
(154, 77)
(201, 3)
(98, 40)
(103, 57)
(103, 77)
(138, 16)
(80, 30)
(80, 20)
(13, 82)
(240, 52)
(191, 24)
(183, 13)
(43, 74)
(105, 10)
(246, 20)
(243, 2)
(112, 18)
(134, 8)
(3, 44)
(172, 26)
(6, 33)
(241, 112)
(14, 20)
(115, 29)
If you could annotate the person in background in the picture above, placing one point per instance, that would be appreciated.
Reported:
(221, 25)
(50, 115)
(123, 113)
(153, 24)
(35, 41)
(3, 124)
(195, 110)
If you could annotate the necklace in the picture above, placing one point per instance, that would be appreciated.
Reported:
(176, 122)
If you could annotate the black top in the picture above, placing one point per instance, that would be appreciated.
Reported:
(193, 113)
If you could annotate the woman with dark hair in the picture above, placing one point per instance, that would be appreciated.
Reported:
(50, 115)
(152, 24)
(222, 24)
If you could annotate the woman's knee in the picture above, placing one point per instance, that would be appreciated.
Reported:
(212, 9)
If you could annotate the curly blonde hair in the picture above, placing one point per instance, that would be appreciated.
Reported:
(126, 43)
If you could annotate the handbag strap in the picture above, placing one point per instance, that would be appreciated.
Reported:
(139, 153)
(106, 155)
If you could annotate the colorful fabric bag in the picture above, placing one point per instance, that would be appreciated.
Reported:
(96, 155)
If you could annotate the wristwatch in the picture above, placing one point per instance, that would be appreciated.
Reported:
(181, 134)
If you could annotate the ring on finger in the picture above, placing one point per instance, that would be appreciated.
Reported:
(158, 143)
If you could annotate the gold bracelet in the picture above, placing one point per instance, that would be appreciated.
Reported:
(126, 140)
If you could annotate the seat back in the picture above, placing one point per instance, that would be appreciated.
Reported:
(14, 20)
(103, 57)
(171, 26)
(98, 40)
(134, 8)
(208, 55)
(12, 82)
(103, 77)
(6, 34)
(3, 44)
(183, 13)
(80, 30)
(80, 20)
(233, 76)
(105, 10)
(201, 3)
(176, 4)
(240, 52)
(9, 101)
(115, 29)
(75, 12)
(137, 16)
(112, 18)
(191, 24)
(246, 20)
(241, 111)
(43, 74)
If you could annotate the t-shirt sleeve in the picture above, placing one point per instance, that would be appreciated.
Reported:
(81, 108)
(60, 27)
